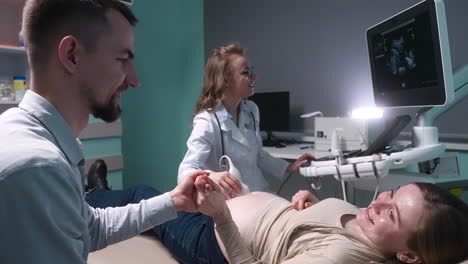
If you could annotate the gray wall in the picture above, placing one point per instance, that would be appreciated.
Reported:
(10, 20)
(317, 49)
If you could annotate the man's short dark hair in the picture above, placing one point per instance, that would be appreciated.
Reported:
(45, 22)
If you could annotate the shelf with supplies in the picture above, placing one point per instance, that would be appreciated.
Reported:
(12, 103)
(13, 64)
(12, 49)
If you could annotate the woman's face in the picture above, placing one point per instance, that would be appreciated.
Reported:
(392, 217)
(240, 83)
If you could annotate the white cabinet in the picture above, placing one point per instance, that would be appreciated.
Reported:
(13, 62)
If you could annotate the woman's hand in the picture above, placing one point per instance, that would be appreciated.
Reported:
(210, 200)
(182, 194)
(228, 182)
(303, 199)
(294, 167)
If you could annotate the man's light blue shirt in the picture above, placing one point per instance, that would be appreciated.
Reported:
(43, 215)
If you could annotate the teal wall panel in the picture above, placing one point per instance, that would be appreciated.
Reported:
(108, 146)
(92, 119)
(156, 118)
(102, 147)
(114, 179)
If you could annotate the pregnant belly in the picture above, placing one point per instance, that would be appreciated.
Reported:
(244, 208)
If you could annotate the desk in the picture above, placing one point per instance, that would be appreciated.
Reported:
(294, 151)
(330, 187)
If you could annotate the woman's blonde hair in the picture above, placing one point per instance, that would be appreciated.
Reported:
(442, 235)
(218, 67)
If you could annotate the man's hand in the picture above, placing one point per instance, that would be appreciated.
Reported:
(210, 200)
(228, 182)
(182, 194)
(303, 199)
(294, 167)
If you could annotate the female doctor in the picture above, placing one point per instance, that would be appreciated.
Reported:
(225, 123)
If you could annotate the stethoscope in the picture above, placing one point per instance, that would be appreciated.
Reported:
(222, 134)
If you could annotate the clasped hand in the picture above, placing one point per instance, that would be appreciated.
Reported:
(227, 182)
(303, 199)
(198, 192)
(210, 200)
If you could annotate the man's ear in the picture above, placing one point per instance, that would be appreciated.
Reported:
(408, 257)
(68, 52)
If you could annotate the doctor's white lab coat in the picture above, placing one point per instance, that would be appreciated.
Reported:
(242, 144)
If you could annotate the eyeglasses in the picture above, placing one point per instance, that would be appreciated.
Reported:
(249, 72)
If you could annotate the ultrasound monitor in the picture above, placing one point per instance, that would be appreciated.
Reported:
(274, 114)
(410, 57)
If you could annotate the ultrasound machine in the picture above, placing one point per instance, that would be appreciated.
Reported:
(410, 64)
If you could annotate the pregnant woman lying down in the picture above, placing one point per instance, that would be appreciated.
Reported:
(417, 223)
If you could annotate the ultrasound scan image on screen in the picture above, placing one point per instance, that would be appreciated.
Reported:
(404, 56)
(410, 57)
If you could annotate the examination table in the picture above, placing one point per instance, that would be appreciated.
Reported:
(142, 249)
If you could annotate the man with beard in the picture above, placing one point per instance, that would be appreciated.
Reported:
(81, 57)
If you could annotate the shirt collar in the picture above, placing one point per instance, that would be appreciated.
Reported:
(224, 115)
(225, 118)
(51, 118)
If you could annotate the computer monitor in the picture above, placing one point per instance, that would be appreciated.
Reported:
(274, 113)
(410, 57)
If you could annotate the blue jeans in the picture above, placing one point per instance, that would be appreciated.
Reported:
(190, 237)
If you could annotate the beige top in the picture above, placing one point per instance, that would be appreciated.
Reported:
(285, 235)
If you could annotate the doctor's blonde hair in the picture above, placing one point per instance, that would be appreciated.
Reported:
(218, 67)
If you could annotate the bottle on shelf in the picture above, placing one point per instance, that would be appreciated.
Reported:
(20, 86)
(6, 89)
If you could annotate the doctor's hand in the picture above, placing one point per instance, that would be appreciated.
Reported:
(210, 200)
(303, 199)
(301, 161)
(182, 194)
(228, 182)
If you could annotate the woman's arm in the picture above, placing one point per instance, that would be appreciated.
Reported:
(203, 142)
(236, 249)
(211, 202)
(199, 146)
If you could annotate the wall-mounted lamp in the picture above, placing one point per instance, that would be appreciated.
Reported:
(367, 113)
